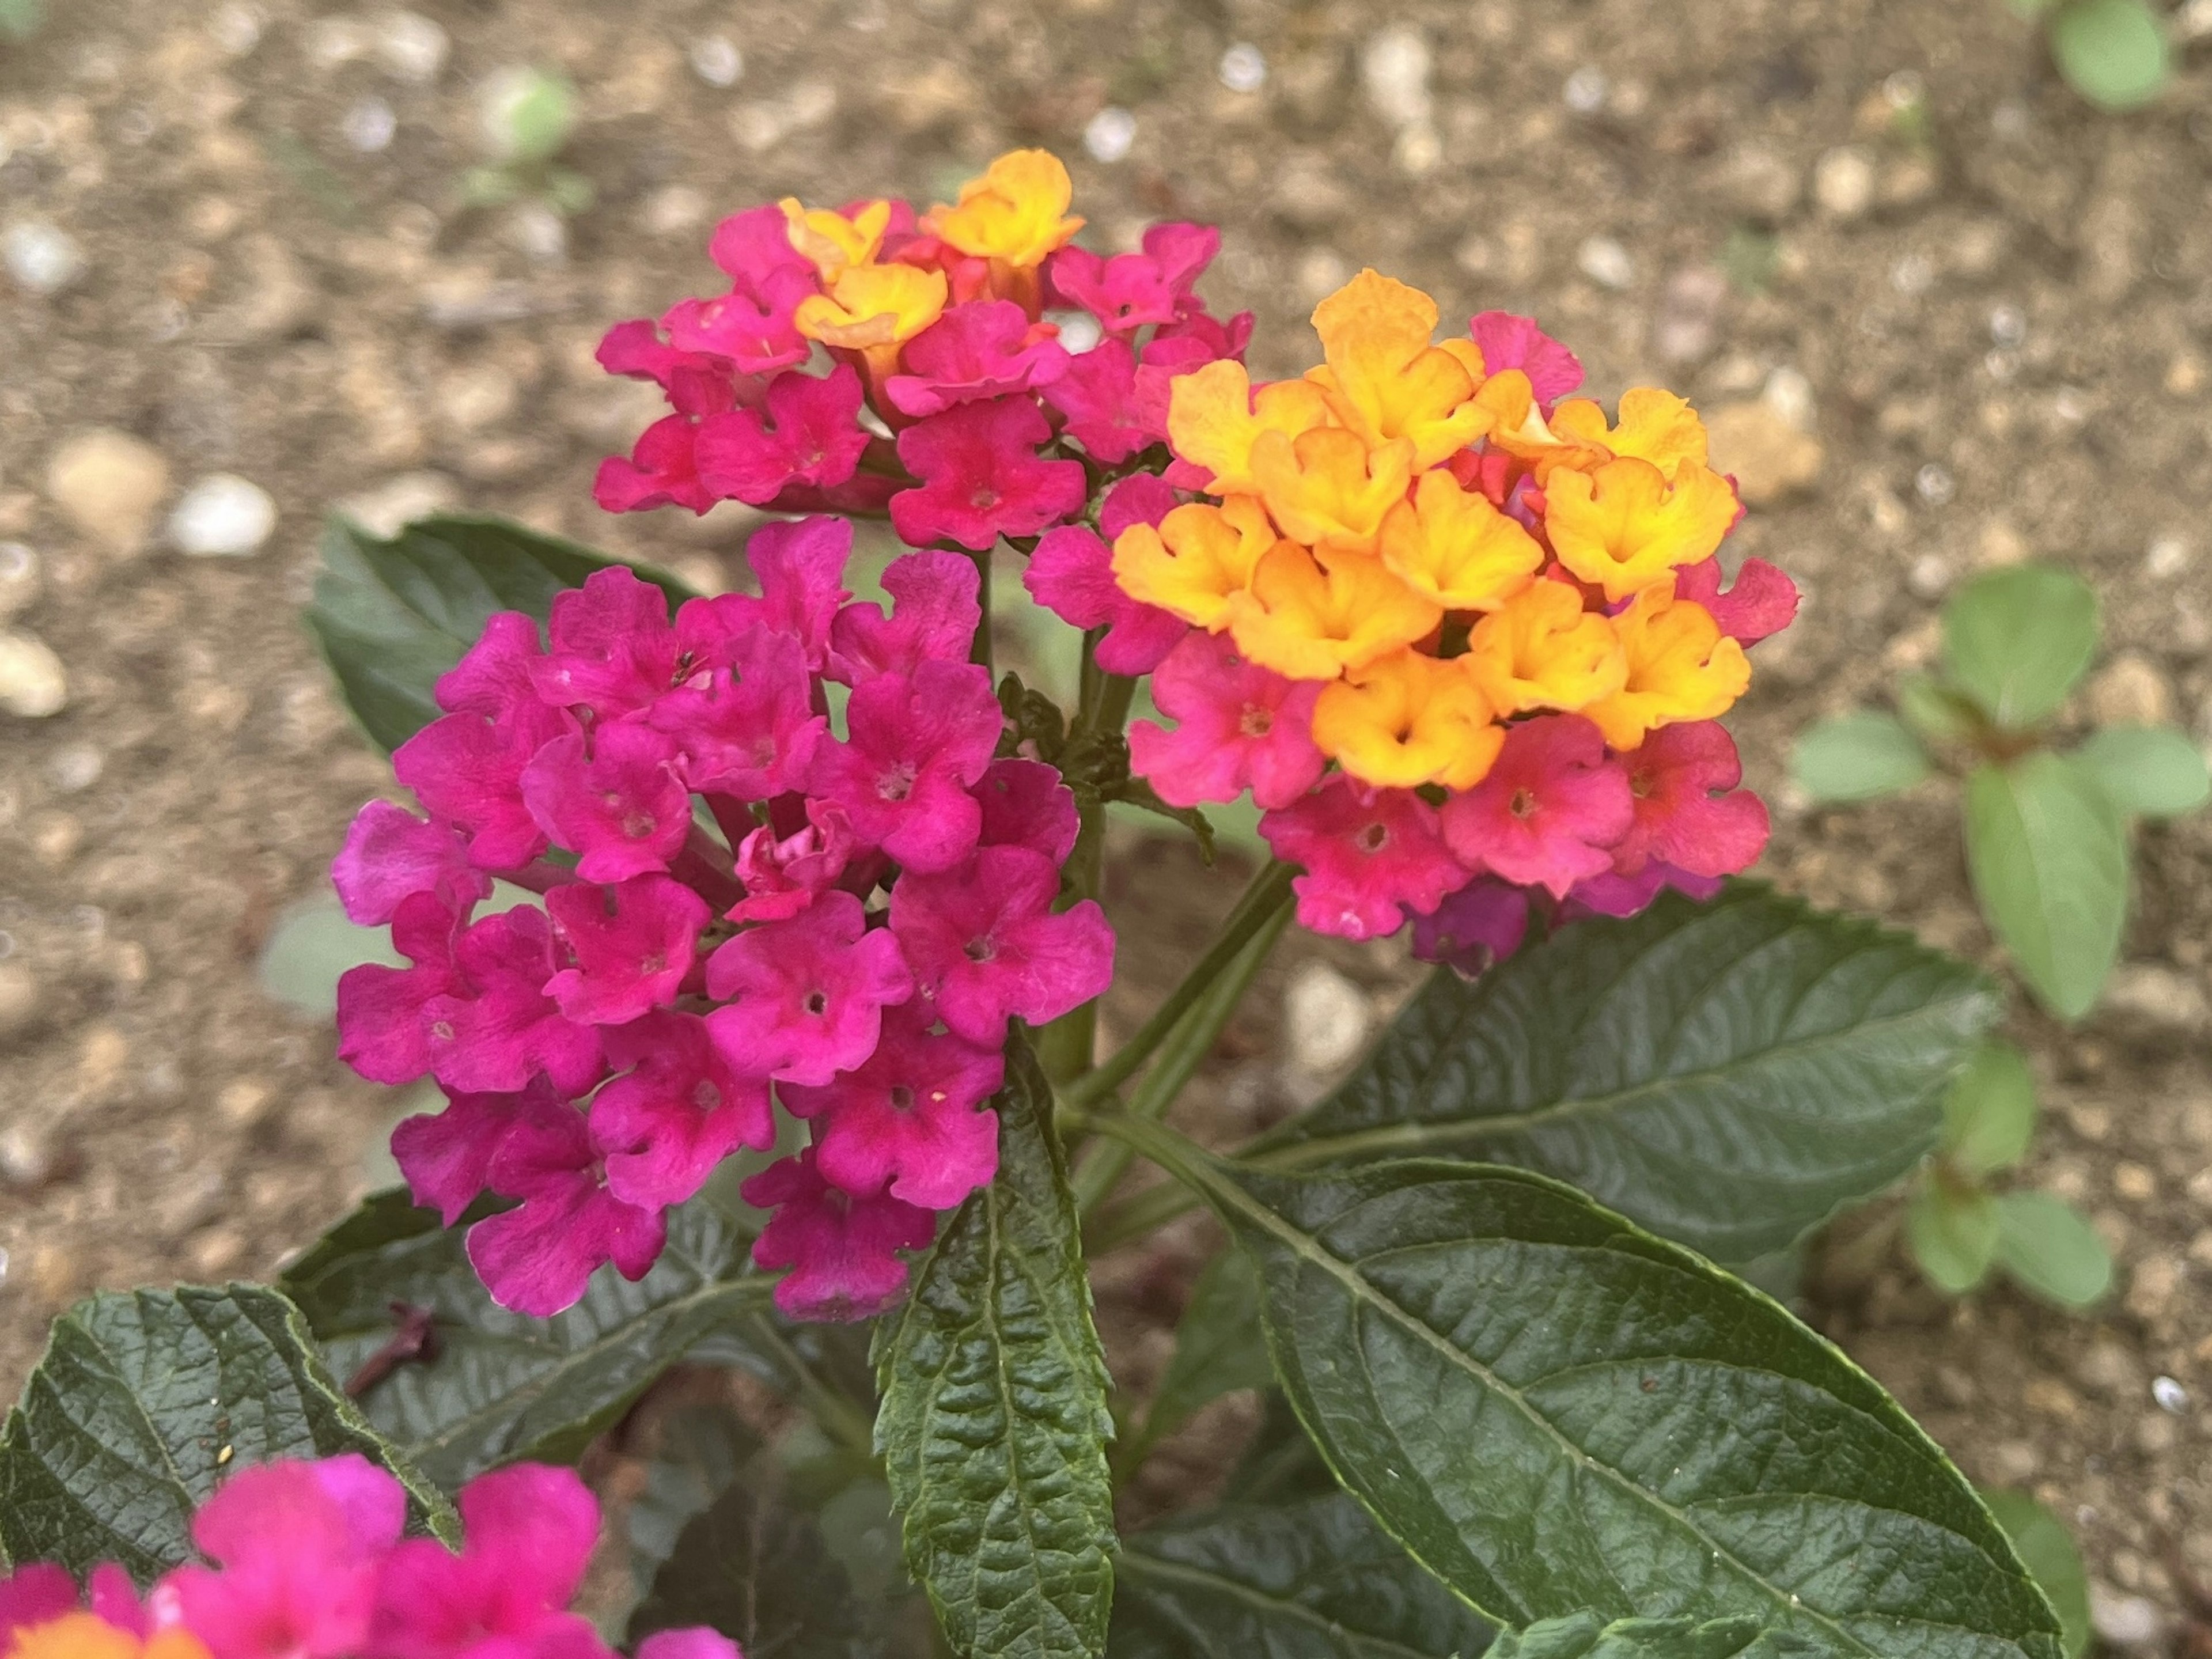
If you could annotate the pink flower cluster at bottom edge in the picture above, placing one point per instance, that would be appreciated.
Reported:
(307, 1562)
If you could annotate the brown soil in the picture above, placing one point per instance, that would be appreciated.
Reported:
(2003, 338)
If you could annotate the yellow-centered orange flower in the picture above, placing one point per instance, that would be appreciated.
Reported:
(1454, 547)
(1016, 211)
(1680, 667)
(1384, 380)
(1326, 488)
(85, 1636)
(1623, 525)
(1541, 649)
(1214, 420)
(834, 243)
(1654, 426)
(1407, 719)
(1199, 560)
(1311, 617)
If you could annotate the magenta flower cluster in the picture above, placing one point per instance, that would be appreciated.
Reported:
(742, 904)
(308, 1563)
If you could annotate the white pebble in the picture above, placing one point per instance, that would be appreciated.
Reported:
(19, 577)
(222, 515)
(1585, 90)
(75, 766)
(2009, 326)
(1395, 69)
(1913, 275)
(368, 125)
(1843, 182)
(716, 60)
(32, 683)
(2170, 1394)
(1904, 89)
(1605, 262)
(1934, 485)
(1110, 134)
(1929, 575)
(1789, 395)
(2169, 556)
(383, 509)
(412, 46)
(1078, 329)
(1327, 1018)
(40, 257)
(1242, 68)
(236, 29)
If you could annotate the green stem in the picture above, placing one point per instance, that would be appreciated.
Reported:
(1064, 1047)
(840, 1416)
(979, 649)
(1132, 1219)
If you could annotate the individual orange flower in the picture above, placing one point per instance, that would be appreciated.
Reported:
(873, 309)
(1453, 547)
(1517, 427)
(1326, 488)
(1014, 212)
(1197, 561)
(1541, 649)
(833, 241)
(1406, 720)
(1384, 379)
(1654, 426)
(1311, 618)
(1214, 419)
(87, 1636)
(1623, 527)
(1680, 667)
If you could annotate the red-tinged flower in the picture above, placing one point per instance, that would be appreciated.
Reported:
(1025, 805)
(1071, 575)
(909, 1119)
(389, 854)
(843, 1252)
(612, 650)
(1761, 600)
(806, 431)
(1239, 726)
(1688, 811)
(661, 470)
(915, 744)
(613, 798)
(749, 731)
(935, 612)
(804, 998)
(676, 1112)
(751, 325)
(1612, 894)
(467, 771)
(1510, 342)
(1474, 929)
(985, 348)
(445, 1155)
(982, 476)
(632, 944)
(37, 1596)
(696, 382)
(1097, 394)
(1130, 290)
(1368, 856)
(382, 1032)
(536, 1258)
(494, 675)
(800, 567)
(497, 1027)
(1549, 811)
(784, 874)
(986, 945)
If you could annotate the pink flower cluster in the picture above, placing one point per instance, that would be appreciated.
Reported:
(308, 1563)
(678, 976)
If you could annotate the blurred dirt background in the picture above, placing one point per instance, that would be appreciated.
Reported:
(1941, 314)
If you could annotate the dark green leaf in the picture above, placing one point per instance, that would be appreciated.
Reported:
(1989, 1115)
(2113, 52)
(505, 1386)
(144, 1400)
(1727, 1074)
(1588, 1636)
(2016, 639)
(1858, 757)
(1952, 1232)
(1280, 1464)
(1311, 1580)
(2047, 1547)
(1219, 1348)
(2147, 771)
(2048, 856)
(700, 1451)
(391, 616)
(2051, 1249)
(994, 1421)
(1557, 1412)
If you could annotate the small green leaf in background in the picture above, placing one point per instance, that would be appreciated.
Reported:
(146, 1401)
(2051, 1249)
(20, 19)
(1952, 1232)
(1989, 1116)
(2113, 52)
(1857, 756)
(1937, 713)
(1315, 1579)
(2044, 1543)
(2049, 858)
(504, 1387)
(526, 115)
(1588, 1636)
(311, 948)
(1219, 1348)
(2147, 771)
(995, 1422)
(2017, 639)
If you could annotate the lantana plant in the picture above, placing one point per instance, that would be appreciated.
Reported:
(752, 944)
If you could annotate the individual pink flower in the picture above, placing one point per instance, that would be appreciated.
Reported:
(805, 998)
(1071, 573)
(298, 1548)
(528, 1532)
(536, 1258)
(915, 744)
(445, 1155)
(908, 1118)
(1688, 811)
(1762, 600)
(1129, 290)
(612, 650)
(382, 1032)
(632, 943)
(39, 1592)
(1240, 727)
(1609, 893)
(986, 945)
(497, 1029)
(800, 567)
(389, 854)
(805, 431)
(494, 675)
(1550, 810)
(749, 731)
(467, 770)
(985, 348)
(613, 798)
(935, 612)
(981, 478)
(679, 1110)
(661, 470)
(1025, 805)
(784, 874)
(1475, 928)
(842, 1251)
(1368, 855)
(695, 382)
(751, 325)
(691, 1642)
(1098, 393)
(1510, 342)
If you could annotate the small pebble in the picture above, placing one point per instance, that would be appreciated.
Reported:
(1687, 326)
(673, 207)
(2009, 326)
(32, 684)
(1327, 1018)
(412, 46)
(1843, 182)
(1913, 275)
(539, 233)
(1605, 262)
(40, 257)
(384, 510)
(223, 515)
(1934, 485)
(1585, 90)
(2171, 1397)
(75, 766)
(2124, 1621)
(1394, 70)
(2169, 556)
(236, 28)
(1789, 395)
(108, 483)
(716, 60)
(18, 579)
(19, 997)
(368, 125)
(1242, 68)
(1078, 329)
(1929, 575)
(1110, 134)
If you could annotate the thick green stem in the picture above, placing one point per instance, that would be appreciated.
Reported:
(841, 1417)
(1064, 1047)
(979, 649)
